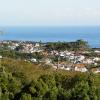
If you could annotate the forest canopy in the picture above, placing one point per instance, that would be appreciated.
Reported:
(20, 80)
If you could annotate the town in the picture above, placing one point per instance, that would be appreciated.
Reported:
(70, 56)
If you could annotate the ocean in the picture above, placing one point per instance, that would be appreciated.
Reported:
(49, 34)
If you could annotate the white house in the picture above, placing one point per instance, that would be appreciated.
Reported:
(48, 61)
(37, 45)
(88, 61)
(97, 51)
(62, 55)
(71, 57)
(81, 58)
(80, 67)
(68, 53)
(61, 66)
(1, 57)
(95, 70)
(96, 59)
(33, 60)
(68, 68)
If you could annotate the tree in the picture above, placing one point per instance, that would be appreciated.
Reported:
(81, 45)
(81, 90)
(26, 96)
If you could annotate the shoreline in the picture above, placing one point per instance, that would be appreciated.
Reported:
(93, 47)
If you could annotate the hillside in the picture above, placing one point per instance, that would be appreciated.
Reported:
(21, 80)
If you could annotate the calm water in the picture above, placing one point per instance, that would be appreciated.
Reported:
(90, 34)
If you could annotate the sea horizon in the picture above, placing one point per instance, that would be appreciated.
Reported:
(91, 34)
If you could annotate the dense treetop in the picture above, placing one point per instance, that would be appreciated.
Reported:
(20, 80)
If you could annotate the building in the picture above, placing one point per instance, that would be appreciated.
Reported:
(95, 70)
(80, 67)
(0, 57)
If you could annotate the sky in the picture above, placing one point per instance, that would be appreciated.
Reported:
(49, 12)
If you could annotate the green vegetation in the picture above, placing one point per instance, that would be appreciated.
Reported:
(77, 45)
(20, 80)
(17, 55)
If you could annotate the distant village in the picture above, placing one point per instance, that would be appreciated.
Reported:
(65, 59)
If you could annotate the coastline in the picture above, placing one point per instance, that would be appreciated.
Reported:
(91, 34)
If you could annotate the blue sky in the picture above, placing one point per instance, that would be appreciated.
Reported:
(49, 12)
